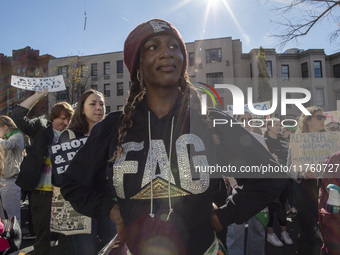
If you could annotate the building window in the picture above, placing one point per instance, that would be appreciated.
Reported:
(320, 100)
(214, 78)
(120, 89)
(317, 69)
(83, 70)
(214, 55)
(336, 71)
(285, 72)
(191, 58)
(106, 68)
(107, 109)
(269, 69)
(107, 90)
(63, 70)
(251, 70)
(120, 66)
(304, 70)
(120, 107)
(95, 87)
(94, 69)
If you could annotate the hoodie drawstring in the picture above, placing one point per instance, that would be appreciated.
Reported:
(152, 215)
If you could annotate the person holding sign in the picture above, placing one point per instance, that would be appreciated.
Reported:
(90, 110)
(307, 188)
(36, 168)
(140, 163)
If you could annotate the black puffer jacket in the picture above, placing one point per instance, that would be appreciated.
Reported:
(41, 135)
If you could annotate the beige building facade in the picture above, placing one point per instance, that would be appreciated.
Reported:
(219, 61)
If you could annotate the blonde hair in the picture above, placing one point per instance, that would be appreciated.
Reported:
(302, 125)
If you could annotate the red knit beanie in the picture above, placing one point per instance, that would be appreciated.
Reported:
(140, 35)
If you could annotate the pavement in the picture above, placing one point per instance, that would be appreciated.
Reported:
(292, 228)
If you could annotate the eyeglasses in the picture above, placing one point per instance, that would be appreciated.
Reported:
(320, 117)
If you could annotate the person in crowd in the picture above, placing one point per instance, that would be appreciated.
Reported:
(35, 174)
(329, 218)
(307, 187)
(90, 110)
(2, 159)
(256, 229)
(277, 145)
(12, 141)
(292, 212)
(3, 242)
(138, 162)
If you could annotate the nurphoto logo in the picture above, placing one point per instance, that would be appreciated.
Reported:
(238, 102)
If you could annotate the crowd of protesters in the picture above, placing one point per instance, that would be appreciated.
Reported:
(134, 177)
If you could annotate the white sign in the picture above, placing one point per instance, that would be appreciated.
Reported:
(51, 84)
(258, 106)
(332, 116)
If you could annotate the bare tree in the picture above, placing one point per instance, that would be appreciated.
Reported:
(311, 13)
(77, 79)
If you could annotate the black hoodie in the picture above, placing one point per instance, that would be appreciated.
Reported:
(93, 185)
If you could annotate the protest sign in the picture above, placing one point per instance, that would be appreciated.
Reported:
(61, 154)
(332, 116)
(258, 106)
(51, 84)
(309, 150)
(66, 220)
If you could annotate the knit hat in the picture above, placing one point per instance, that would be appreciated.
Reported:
(140, 35)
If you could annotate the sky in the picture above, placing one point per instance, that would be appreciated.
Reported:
(56, 27)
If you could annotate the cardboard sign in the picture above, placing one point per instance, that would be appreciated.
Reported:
(51, 84)
(311, 149)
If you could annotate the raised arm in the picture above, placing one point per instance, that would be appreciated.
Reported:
(32, 100)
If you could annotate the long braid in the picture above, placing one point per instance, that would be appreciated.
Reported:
(136, 95)
(186, 87)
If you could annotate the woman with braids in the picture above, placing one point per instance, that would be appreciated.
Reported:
(141, 165)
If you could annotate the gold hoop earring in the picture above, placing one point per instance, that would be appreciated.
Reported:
(138, 74)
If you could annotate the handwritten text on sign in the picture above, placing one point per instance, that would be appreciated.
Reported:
(62, 153)
(51, 84)
(313, 148)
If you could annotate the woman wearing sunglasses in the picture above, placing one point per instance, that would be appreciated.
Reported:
(307, 189)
